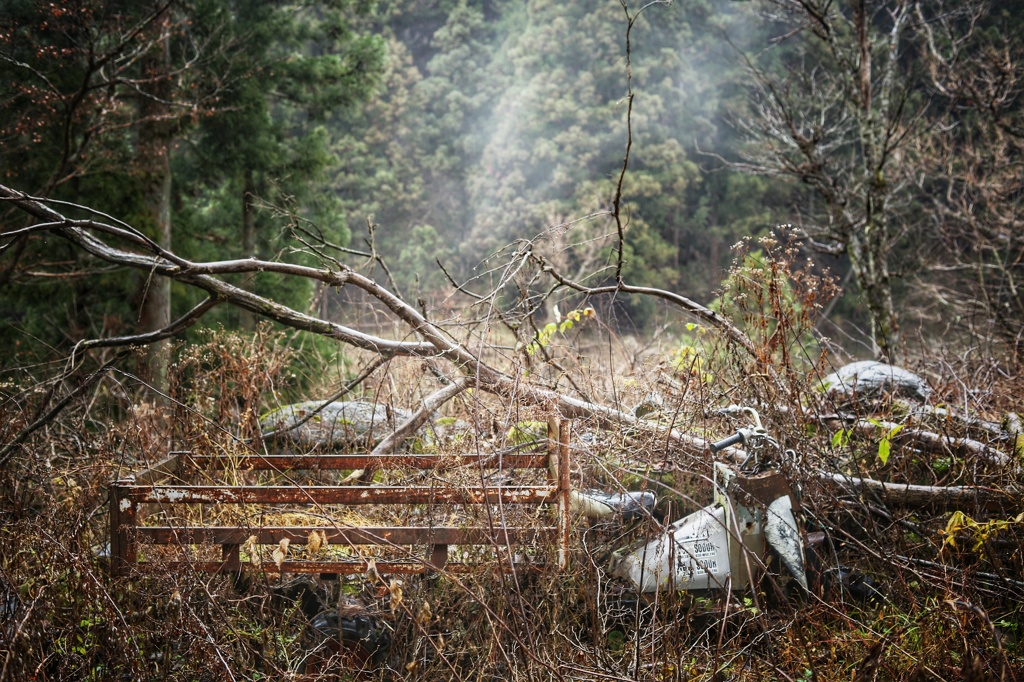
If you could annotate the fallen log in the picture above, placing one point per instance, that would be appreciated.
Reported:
(936, 442)
(432, 343)
(911, 495)
(391, 443)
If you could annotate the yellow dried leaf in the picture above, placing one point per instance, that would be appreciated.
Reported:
(395, 588)
(372, 576)
(317, 539)
(250, 547)
(281, 552)
(424, 614)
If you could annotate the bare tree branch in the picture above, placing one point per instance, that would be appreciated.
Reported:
(175, 328)
(7, 450)
(436, 342)
(390, 444)
(345, 390)
(692, 307)
(924, 495)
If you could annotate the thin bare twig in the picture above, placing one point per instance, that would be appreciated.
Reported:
(8, 450)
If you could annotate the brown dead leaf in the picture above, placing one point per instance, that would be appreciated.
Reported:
(424, 614)
(250, 547)
(316, 541)
(371, 571)
(395, 588)
(281, 551)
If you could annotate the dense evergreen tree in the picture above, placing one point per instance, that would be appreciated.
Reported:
(256, 166)
(91, 100)
(456, 127)
(99, 96)
(510, 121)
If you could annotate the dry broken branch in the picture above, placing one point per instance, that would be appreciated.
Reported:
(393, 441)
(936, 442)
(906, 494)
(436, 342)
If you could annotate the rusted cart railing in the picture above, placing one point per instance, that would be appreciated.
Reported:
(419, 547)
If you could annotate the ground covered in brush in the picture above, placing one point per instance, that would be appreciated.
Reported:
(900, 588)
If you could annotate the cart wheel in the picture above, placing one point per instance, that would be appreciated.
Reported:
(357, 644)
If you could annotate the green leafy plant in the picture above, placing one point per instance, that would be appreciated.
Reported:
(841, 438)
(982, 531)
(885, 443)
(543, 337)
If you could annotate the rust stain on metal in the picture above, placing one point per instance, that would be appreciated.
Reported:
(563, 495)
(128, 498)
(342, 494)
(764, 488)
(335, 567)
(383, 535)
(347, 462)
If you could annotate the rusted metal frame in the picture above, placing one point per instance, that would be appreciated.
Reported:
(126, 499)
(563, 484)
(759, 490)
(122, 527)
(231, 557)
(363, 535)
(329, 567)
(437, 555)
(350, 495)
(345, 462)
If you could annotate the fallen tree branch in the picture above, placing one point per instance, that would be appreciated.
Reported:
(436, 343)
(345, 390)
(430, 405)
(907, 494)
(699, 311)
(936, 442)
(173, 329)
(957, 569)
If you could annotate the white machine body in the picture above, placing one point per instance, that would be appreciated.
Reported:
(723, 544)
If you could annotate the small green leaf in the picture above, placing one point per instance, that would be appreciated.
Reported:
(884, 447)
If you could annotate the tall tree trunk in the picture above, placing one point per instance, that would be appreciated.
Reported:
(869, 246)
(154, 166)
(247, 318)
(868, 260)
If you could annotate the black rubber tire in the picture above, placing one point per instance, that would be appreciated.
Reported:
(357, 644)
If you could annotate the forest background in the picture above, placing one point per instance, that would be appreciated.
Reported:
(453, 129)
